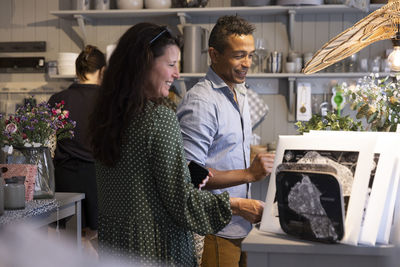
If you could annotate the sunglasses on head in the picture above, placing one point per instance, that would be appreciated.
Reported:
(165, 30)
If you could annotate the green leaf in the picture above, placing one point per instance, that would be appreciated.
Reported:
(372, 117)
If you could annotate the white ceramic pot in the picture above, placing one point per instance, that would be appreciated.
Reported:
(130, 4)
(102, 4)
(157, 4)
(81, 4)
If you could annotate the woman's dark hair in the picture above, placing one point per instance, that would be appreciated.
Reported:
(89, 60)
(122, 94)
(226, 26)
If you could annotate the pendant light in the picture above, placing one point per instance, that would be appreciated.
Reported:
(394, 56)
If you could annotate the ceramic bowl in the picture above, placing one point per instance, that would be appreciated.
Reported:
(130, 4)
(157, 4)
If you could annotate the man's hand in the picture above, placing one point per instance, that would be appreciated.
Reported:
(261, 166)
(250, 209)
(204, 182)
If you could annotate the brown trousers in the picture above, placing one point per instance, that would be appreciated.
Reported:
(223, 252)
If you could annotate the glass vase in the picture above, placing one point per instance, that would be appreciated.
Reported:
(41, 157)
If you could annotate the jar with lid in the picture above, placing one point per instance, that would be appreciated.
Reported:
(3, 169)
(14, 193)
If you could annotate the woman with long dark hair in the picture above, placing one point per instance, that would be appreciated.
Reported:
(147, 206)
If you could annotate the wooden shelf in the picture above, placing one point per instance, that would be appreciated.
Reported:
(82, 16)
(209, 11)
(267, 75)
(295, 75)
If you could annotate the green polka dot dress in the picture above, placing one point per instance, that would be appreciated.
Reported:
(147, 206)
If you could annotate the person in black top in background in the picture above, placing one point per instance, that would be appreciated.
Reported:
(73, 160)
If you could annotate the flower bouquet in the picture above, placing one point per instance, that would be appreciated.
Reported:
(35, 125)
(25, 136)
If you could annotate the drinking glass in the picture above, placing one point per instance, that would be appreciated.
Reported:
(261, 52)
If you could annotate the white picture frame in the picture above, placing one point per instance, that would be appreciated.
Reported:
(394, 237)
(388, 227)
(378, 213)
(363, 144)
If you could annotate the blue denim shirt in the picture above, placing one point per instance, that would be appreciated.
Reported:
(216, 132)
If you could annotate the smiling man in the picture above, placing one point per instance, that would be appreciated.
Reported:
(216, 129)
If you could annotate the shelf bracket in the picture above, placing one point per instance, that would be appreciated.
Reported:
(292, 14)
(291, 100)
(182, 17)
(81, 23)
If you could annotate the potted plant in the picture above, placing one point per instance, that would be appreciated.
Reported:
(377, 100)
(331, 121)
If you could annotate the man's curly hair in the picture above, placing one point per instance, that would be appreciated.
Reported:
(226, 26)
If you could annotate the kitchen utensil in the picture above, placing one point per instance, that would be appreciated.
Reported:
(195, 49)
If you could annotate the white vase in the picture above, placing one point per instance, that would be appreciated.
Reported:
(157, 4)
(130, 4)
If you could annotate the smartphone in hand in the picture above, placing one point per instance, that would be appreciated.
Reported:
(197, 172)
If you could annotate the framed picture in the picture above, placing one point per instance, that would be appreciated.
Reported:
(379, 208)
(354, 153)
(380, 195)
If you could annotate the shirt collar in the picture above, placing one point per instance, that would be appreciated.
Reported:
(218, 83)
